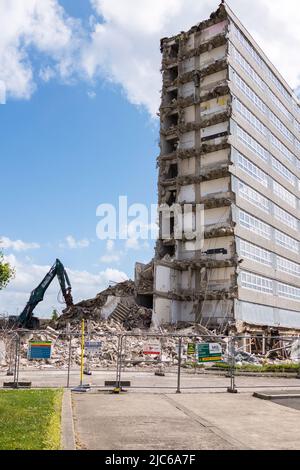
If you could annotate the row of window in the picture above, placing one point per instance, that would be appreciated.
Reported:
(285, 218)
(248, 69)
(261, 202)
(268, 286)
(250, 94)
(252, 144)
(283, 171)
(252, 170)
(248, 46)
(260, 127)
(253, 252)
(282, 109)
(250, 117)
(285, 152)
(254, 98)
(261, 152)
(281, 127)
(254, 197)
(284, 194)
(255, 225)
(265, 230)
(260, 176)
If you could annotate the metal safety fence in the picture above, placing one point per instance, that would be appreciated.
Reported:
(148, 360)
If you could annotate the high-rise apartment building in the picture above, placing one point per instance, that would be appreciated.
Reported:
(230, 140)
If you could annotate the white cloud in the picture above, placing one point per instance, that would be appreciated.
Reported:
(84, 285)
(17, 245)
(91, 94)
(47, 73)
(37, 25)
(121, 42)
(110, 244)
(73, 244)
(110, 258)
(125, 44)
(111, 255)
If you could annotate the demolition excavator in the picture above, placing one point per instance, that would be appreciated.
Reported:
(26, 318)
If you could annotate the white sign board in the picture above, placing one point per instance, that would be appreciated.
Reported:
(152, 349)
(92, 347)
(215, 348)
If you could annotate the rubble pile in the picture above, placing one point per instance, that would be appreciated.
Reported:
(91, 309)
(139, 317)
(105, 332)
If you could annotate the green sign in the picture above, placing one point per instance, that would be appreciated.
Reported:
(209, 352)
(191, 349)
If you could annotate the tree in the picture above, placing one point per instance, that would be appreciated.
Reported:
(54, 316)
(6, 272)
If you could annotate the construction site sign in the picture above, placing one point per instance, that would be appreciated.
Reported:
(209, 352)
(92, 347)
(152, 349)
(39, 350)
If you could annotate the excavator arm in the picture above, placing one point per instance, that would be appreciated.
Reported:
(26, 319)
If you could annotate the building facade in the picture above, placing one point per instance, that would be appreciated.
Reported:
(230, 140)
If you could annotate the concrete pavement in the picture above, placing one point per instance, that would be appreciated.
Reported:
(199, 421)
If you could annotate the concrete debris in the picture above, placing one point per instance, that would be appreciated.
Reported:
(295, 351)
(96, 308)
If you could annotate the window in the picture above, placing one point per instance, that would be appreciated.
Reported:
(250, 94)
(283, 171)
(287, 242)
(287, 291)
(253, 197)
(255, 123)
(284, 194)
(297, 126)
(254, 282)
(252, 144)
(252, 170)
(248, 69)
(282, 148)
(285, 217)
(288, 266)
(247, 45)
(281, 127)
(278, 85)
(280, 106)
(254, 252)
(255, 225)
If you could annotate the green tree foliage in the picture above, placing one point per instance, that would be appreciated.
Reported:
(6, 272)
(54, 315)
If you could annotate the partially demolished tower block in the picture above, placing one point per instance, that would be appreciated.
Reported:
(230, 140)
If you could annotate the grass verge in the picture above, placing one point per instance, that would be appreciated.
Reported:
(263, 368)
(30, 419)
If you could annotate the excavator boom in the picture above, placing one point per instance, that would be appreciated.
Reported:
(26, 319)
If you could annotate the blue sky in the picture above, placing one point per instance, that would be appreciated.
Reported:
(65, 153)
(79, 127)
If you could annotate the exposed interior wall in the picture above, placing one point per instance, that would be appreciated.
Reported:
(194, 169)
